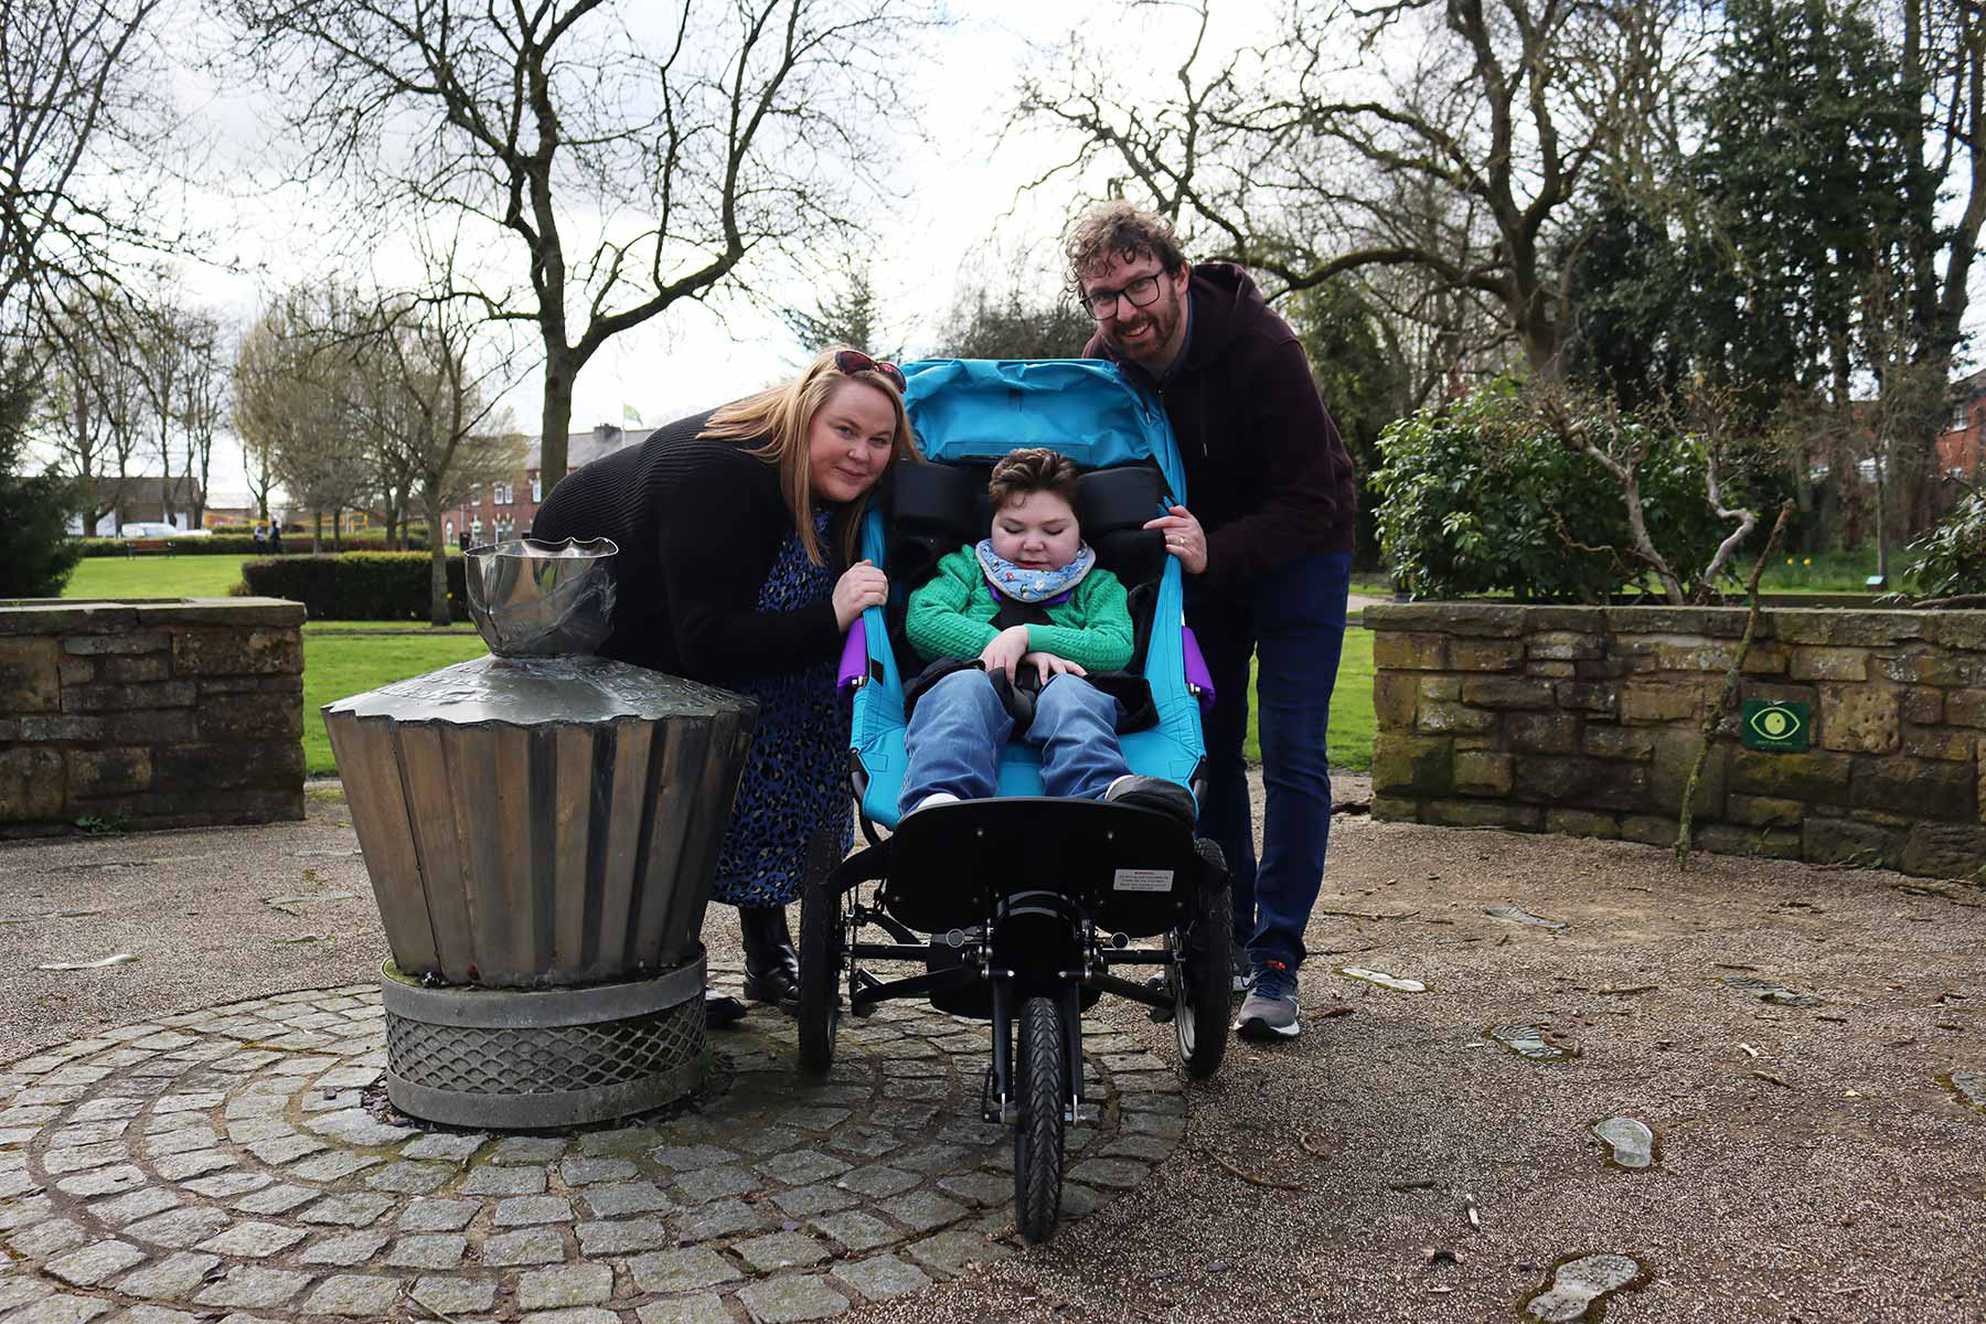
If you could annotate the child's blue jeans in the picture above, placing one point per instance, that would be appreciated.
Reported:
(959, 726)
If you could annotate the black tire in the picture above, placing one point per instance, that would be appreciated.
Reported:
(1203, 981)
(1041, 1073)
(820, 976)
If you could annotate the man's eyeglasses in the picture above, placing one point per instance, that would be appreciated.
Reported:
(852, 361)
(1142, 292)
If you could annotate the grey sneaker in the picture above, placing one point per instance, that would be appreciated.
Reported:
(1270, 1010)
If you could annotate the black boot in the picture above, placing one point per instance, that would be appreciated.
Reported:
(772, 967)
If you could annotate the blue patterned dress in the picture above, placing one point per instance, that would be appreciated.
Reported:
(791, 819)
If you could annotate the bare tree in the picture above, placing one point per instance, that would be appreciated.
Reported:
(443, 392)
(90, 413)
(203, 403)
(1494, 113)
(291, 405)
(160, 346)
(631, 170)
(79, 116)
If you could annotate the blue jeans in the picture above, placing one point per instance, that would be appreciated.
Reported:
(1292, 621)
(959, 726)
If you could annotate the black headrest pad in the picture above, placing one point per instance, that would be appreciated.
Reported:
(1120, 498)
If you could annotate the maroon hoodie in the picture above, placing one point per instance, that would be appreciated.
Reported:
(1267, 473)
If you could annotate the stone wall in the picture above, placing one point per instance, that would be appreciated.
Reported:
(158, 713)
(1584, 720)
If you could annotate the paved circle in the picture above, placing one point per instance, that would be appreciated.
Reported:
(239, 1164)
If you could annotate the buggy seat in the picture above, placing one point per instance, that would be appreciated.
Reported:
(967, 414)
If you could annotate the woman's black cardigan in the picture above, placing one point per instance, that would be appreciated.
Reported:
(699, 523)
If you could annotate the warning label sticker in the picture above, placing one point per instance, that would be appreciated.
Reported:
(1142, 880)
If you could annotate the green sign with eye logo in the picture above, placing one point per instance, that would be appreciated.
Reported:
(1781, 728)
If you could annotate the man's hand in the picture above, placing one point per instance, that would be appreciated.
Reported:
(1047, 664)
(1184, 538)
(1005, 652)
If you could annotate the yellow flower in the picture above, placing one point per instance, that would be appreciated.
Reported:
(1808, 561)
(1789, 560)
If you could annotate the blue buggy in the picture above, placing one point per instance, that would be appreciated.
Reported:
(1022, 909)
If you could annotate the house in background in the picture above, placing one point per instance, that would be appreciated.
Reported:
(140, 499)
(1962, 445)
(504, 509)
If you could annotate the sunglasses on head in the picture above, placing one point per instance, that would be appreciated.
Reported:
(852, 361)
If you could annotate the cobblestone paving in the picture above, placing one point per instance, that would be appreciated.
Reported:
(236, 1165)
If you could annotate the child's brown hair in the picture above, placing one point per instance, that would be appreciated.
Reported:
(1035, 470)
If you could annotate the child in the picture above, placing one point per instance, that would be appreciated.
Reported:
(1034, 568)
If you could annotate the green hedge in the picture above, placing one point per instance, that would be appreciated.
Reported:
(355, 586)
(221, 544)
(242, 544)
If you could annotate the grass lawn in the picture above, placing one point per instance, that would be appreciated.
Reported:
(1352, 721)
(415, 628)
(334, 668)
(154, 576)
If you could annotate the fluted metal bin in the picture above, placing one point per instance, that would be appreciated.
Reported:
(541, 833)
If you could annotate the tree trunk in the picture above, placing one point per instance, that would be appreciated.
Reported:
(438, 605)
(317, 533)
(555, 424)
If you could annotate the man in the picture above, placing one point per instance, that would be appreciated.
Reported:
(1266, 547)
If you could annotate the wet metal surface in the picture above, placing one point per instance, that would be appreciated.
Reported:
(536, 691)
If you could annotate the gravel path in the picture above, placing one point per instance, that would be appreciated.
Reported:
(1812, 1165)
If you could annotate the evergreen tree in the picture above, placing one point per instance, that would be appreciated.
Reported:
(36, 553)
(1364, 385)
(1806, 180)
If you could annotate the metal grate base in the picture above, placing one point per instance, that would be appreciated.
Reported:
(523, 1075)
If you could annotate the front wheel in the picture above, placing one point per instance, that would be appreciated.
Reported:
(1042, 1070)
(1203, 976)
(820, 973)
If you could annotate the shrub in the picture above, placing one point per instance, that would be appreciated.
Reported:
(1951, 556)
(35, 556)
(221, 544)
(1478, 496)
(356, 586)
(237, 544)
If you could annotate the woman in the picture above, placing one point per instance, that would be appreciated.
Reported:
(738, 531)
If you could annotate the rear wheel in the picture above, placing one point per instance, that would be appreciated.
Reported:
(1042, 1073)
(1202, 979)
(820, 974)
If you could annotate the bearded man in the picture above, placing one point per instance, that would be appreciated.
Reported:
(1266, 547)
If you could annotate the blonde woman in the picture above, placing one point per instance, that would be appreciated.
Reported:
(737, 531)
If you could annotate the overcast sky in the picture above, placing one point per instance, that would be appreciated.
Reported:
(959, 213)
(959, 219)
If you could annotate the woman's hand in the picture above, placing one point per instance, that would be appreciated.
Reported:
(860, 587)
(1004, 653)
(1184, 538)
(1047, 664)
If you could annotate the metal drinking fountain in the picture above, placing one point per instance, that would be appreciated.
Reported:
(541, 827)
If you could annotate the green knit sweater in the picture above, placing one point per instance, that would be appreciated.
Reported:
(951, 616)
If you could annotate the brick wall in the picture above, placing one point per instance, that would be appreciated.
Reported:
(151, 713)
(1584, 720)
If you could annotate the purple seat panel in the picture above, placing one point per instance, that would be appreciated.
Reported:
(854, 656)
(1196, 671)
